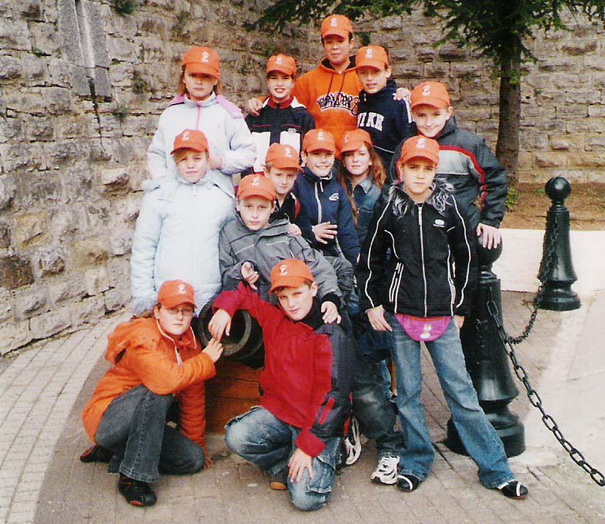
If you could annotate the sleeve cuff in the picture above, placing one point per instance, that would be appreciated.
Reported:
(309, 443)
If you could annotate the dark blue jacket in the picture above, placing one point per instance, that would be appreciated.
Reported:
(325, 200)
(386, 119)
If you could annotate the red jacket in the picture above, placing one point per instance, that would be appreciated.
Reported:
(332, 98)
(307, 377)
(143, 355)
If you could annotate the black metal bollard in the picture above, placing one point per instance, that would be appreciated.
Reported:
(487, 362)
(556, 269)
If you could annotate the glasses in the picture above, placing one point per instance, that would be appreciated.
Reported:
(185, 311)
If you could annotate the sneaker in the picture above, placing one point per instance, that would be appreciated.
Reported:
(279, 481)
(407, 482)
(514, 490)
(386, 471)
(353, 443)
(136, 492)
(96, 454)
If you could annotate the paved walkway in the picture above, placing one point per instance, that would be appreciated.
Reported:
(43, 390)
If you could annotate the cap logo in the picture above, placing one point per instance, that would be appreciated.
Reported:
(426, 90)
(279, 60)
(205, 57)
(321, 136)
(288, 152)
(369, 53)
(283, 269)
(421, 144)
(185, 136)
(256, 181)
(182, 290)
(334, 22)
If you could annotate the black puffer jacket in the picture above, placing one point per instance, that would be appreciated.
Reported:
(432, 271)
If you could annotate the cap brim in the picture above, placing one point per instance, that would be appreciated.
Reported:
(353, 146)
(202, 150)
(336, 32)
(285, 163)
(203, 69)
(284, 70)
(255, 193)
(375, 64)
(430, 101)
(287, 281)
(425, 156)
(176, 301)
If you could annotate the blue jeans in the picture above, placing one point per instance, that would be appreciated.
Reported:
(134, 428)
(375, 413)
(263, 439)
(476, 433)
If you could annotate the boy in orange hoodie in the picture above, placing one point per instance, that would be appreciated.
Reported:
(155, 362)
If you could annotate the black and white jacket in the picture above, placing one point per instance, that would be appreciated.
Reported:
(433, 268)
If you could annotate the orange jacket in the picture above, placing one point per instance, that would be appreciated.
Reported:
(143, 355)
(332, 98)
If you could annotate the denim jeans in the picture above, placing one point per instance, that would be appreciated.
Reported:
(134, 428)
(375, 413)
(263, 439)
(477, 434)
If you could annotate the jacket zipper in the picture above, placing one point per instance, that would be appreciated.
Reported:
(422, 256)
(318, 202)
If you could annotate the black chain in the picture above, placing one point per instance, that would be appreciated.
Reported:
(535, 399)
(545, 269)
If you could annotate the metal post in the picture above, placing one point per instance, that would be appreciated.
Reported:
(487, 362)
(556, 269)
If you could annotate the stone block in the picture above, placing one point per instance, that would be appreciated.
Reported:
(31, 228)
(122, 50)
(593, 126)
(47, 39)
(588, 159)
(116, 298)
(120, 242)
(15, 272)
(51, 261)
(10, 129)
(7, 307)
(10, 67)
(38, 128)
(7, 192)
(96, 281)
(554, 159)
(50, 323)
(30, 303)
(14, 335)
(65, 223)
(579, 48)
(14, 35)
(60, 72)
(89, 252)
(588, 96)
(5, 235)
(70, 290)
(88, 310)
(453, 54)
(115, 180)
(118, 272)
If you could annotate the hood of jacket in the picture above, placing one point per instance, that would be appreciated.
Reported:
(386, 93)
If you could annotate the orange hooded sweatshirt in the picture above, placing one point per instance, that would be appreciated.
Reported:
(141, 354)
(332, 98)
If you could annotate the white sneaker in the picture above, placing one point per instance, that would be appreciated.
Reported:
(353, 443)
(386, 471)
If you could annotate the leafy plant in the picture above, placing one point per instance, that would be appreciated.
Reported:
(121, 113)
(124, 7)
(512, 199)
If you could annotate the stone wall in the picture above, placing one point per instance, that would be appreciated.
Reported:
(82, 86)
(563, 94)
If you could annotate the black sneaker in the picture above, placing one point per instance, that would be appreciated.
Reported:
(407, 482)
(96, 454)
(136, 492)
(514, 490)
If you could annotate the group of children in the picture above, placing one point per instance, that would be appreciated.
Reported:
(346, 239)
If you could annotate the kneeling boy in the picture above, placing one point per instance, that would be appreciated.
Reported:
(295, 434)
(155, 361)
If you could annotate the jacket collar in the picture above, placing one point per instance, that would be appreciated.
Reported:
(312, 177)
(386, 93)
(439, 198)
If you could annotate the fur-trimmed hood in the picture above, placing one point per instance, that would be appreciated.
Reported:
(440, 198)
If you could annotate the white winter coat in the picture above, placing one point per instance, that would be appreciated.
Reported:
(221, 121)
(176, 237)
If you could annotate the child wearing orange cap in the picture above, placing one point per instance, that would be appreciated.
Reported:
(294, 436)
(430, 281)
(201, 106)
(466, 161)
(177, 231)
(386, 119)
(155, 362)
(282, 118)
(250, 246)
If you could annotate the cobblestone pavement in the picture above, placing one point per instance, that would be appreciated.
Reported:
(43, 390)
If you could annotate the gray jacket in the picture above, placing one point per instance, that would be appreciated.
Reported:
(265, 248)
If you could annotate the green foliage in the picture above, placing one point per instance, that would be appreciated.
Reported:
(121, 113)
(512, 199)
(124, 7)
(39, 52)
(139, 84)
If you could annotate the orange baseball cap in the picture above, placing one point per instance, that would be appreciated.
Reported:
(290, 273)
(176, 292)
(282, 156)
(431, 94)
(202, 60)
(337, 25)
(353, 140)
(372, 56)
(256, 185)
(191, 139)
(319, 140)
(283, 63)
(420, 147)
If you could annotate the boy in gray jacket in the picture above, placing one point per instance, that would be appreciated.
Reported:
(250, 246)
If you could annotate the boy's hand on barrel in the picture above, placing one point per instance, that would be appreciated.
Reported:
(214, 350)
(220, 323)
(249, 274)
(490, 236)
(330, 312)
